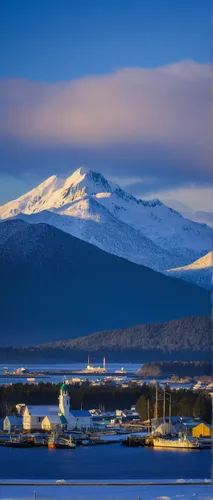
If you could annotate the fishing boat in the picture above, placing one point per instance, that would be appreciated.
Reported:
(19, 443)
(61, 442)
(182, 442)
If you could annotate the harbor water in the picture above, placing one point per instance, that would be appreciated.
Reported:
(112, 461)
(63, 367)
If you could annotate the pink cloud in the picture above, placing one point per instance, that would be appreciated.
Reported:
(164, 111)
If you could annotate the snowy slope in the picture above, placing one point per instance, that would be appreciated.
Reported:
(199, 272)
(107, 233)
(90, 207)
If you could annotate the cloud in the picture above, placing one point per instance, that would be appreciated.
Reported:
(152, 124)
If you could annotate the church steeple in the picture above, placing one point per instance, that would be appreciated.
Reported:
(64, 400)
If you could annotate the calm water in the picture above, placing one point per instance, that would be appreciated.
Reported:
(112, 461)
(129, 367)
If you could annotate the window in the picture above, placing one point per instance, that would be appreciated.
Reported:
(39, 419)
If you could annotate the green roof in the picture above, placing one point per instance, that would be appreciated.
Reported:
(63, 419)
(63, 387)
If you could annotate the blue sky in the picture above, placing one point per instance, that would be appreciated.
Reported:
(50, 42)
(56, 40)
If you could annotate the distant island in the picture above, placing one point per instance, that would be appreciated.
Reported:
(183, 339)
(177, 369)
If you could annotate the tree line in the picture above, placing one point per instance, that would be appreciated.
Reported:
(183, 402)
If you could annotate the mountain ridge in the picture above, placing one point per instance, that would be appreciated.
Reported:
(57, 286)
(199, 272)
(185, 339)
(183, 333)
(90, 207)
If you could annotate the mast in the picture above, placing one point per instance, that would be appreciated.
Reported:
(148, 411)
(156, 405)
(170, 412)
(164, 408)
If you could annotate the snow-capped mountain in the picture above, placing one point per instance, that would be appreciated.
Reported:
(200, 216)
(199, 272)
(94, 209)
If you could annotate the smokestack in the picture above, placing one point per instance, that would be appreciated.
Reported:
(88, 360)
(104, 363)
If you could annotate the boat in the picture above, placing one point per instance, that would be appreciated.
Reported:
(185, 443)
(61, 443)
(85, 442)
(40, 441)
(18, 443)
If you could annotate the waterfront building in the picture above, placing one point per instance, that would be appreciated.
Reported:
(201, 430)
(12, 423)
(33, 416)
(58, 416)
(76, 419)
(54, 423)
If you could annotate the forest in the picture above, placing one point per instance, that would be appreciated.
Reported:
(184, 402)
(179, 368)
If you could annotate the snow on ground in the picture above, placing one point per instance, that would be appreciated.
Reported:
(129, 490)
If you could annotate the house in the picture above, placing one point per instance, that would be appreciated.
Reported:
(201, 430)
(33, 416)
(83, 419)
(54, 422)
(12, 423)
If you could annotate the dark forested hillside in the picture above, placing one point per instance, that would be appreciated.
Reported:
(184, 339)
(180, 369)
(186, 333)
(55, 286)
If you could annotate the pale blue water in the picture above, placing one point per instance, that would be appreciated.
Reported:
(129, 367)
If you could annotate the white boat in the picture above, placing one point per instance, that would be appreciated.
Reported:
(176, 443)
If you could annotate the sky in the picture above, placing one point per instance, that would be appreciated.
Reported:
(120, 87)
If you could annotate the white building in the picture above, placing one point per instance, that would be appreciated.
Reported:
(57, 417)
(12, 423)
(54, 422)
(33, 416)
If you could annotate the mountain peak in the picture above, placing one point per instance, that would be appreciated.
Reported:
(91, 181)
